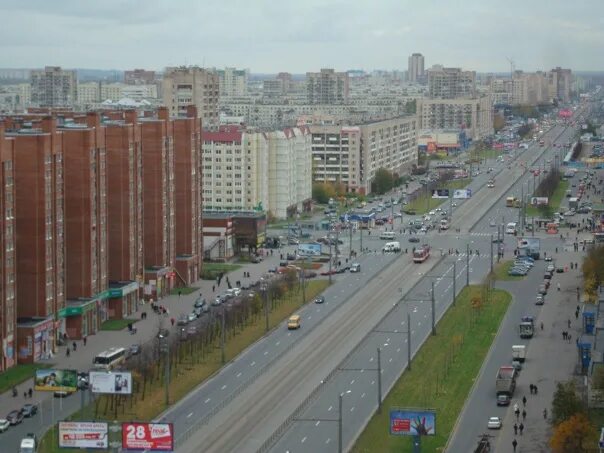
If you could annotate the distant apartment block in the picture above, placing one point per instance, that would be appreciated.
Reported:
(474, 116)
(560, 83)
(139, 77)
(53, 87)
(415, 67)
(522, 89)
(451, 83)
(327, 87)
(8, 271)
(184, 86)
(232, 81)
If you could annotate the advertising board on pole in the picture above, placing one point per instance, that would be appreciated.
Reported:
(412, 422)
(113, 382)
(51, 380)
(440, 193)
(148, 436)
(83, 435)
(462, 193)
(309, 249)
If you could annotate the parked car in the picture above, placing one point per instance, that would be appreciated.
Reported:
(494, 423)
(550, 268)
(503, 400)
(319, 299)
(256, 259)
(199, 302)
(540, 299)
(355, 267)
(61, 393)
(134, 349)
(4, 425)
(15, 417)
(542, 289)
(413, 239)
(191, 317)
(29, 410)
(183, 320)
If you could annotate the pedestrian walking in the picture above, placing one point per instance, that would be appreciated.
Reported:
(544, 414)
(568, 323)
(515, 429)
(531, 387)
(75, 346)
(577, 315)
(67, 352)
(30, 392)
(179, 293)
(569, 337)
(172, 321)
(524, 401)
(542, 326)
(523, 414)
(514, 444)
(558, 286)
(536, 389)
(564, 335)
(85, 339)
(213, 288)
(521, 428)
(24, 395)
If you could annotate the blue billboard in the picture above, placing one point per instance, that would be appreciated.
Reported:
(309, 249)
(412, 422)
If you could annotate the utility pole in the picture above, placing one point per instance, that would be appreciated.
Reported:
(361, 232)
(408, 339)
(454, 281)
(392, 211)
(467, 264)
(521, 202)
(379, 380)
(350, 238)
(433, 310)
(222, 336)
(492, 252)
(266, 307)
(330, 257)
(340, 423)
(498, 244)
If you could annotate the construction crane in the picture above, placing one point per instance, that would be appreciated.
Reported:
(511, 61)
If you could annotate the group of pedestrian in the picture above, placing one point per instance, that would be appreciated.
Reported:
(566, 335)
(518, 424)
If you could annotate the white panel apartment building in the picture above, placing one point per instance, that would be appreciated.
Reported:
(248, 170)
(475, 116)
(352, 154)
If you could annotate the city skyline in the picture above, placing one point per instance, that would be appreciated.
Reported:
(255, 35)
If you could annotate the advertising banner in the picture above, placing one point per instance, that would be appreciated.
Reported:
(462, 193)
(405, 422)
(539, 201)
(148, 436)
(309, 249)
(440, 193)
(83, 435)
(116, 383)
(52, 380)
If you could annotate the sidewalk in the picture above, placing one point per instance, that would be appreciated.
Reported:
(550, 360)
(81, 359)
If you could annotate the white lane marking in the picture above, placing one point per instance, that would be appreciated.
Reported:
(352, 382)
(253, 363)
(277, 343)
(265, 352)
(390, 360)
(372, 382)
(207, 401)
(330, 408)
(328, 440)
(239, 374)
(190, 415)
(223, 387)
(352, 408)
(289, 334)
(303, 439)
(363, 395)
(318, 421)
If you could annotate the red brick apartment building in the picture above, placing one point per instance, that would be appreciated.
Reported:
(107, 210)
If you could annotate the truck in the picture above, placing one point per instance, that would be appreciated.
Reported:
(519, 352)
(421, 254)
(512, 202)
(526, 327)
(505, 381)
(573, 203)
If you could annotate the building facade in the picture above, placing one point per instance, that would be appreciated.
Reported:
(54, 87)
(232, 81)
(451, 83)
(327, 87)
(184, 86)
(415, 68)
(139, 77)
(559, 84)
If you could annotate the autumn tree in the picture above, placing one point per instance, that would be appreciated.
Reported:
(566, 402)
(322, 192)
(575, 435)
(498, 122)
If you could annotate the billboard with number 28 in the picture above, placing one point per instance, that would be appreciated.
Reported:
(148, 436)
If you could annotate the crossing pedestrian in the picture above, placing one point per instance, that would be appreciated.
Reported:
(568, 323)
(577, 314)
(558, 286)
(531, 388)
(85, 338)
(542, 326)
(521, 428)
(569, 336)
(515, 429)
(523, 414)
(524, 401)
(536, 390)
(514, 444)
(545, 414)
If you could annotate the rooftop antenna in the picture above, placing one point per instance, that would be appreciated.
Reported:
(511, 60)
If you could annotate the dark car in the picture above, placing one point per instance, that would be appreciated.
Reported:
(15, 417)
(291, 256)
(503, 400)
(134, 349)
(283, 263)
(319, 300)
(413, 239)
(29, 410)
(199, 302)
(496, 240)
(256, 259)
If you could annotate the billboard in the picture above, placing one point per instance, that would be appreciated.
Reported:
(539, 201)
(309, 249)
(116, 383)
(529, 243)
(462, 193)
(440, 193)
(412, 422)
(51, 380)
(83, 435)
(148, 436)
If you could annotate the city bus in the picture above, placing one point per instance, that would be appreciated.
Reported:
(107, 360)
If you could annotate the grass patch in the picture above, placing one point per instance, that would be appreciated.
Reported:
(554, 202)
(192, 371)
(184, 290)
(117, 324)
(211, 270)
(442, 372)
(19, 373)
(425, 203)
(501, 271)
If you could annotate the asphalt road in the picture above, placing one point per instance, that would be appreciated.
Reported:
(244, 423)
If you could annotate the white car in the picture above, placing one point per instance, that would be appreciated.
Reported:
(454, 204)
(4, 425)
(551, 268)
(569, 213)
(494, 423)
(432, 212)
(427, 218)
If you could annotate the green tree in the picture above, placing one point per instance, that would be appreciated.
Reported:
(322, 192)
(566, 402)
(411, 107)
(382, 182)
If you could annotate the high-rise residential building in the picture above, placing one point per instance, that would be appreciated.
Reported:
(139, 77)
(327, 87)
(559, 84)
(89, 93)
(475, 116)
(415, 70)
(85, 207)
(54, 87)
(286, 81)
(184, 86)
(8, 289)
(232, 81)
(40, 234)
(451, 83)
(522, 89)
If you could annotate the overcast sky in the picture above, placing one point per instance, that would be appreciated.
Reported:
(299, 36)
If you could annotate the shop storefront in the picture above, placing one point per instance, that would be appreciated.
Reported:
(82, 318)
(36, 339)
(122, 299)
(158, 282)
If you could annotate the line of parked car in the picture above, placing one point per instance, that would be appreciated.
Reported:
(29, 443)
(521, 266)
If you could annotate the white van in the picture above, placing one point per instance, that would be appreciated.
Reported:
(28, 445)
(392, 247)
(510, 228)
(388, 235)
